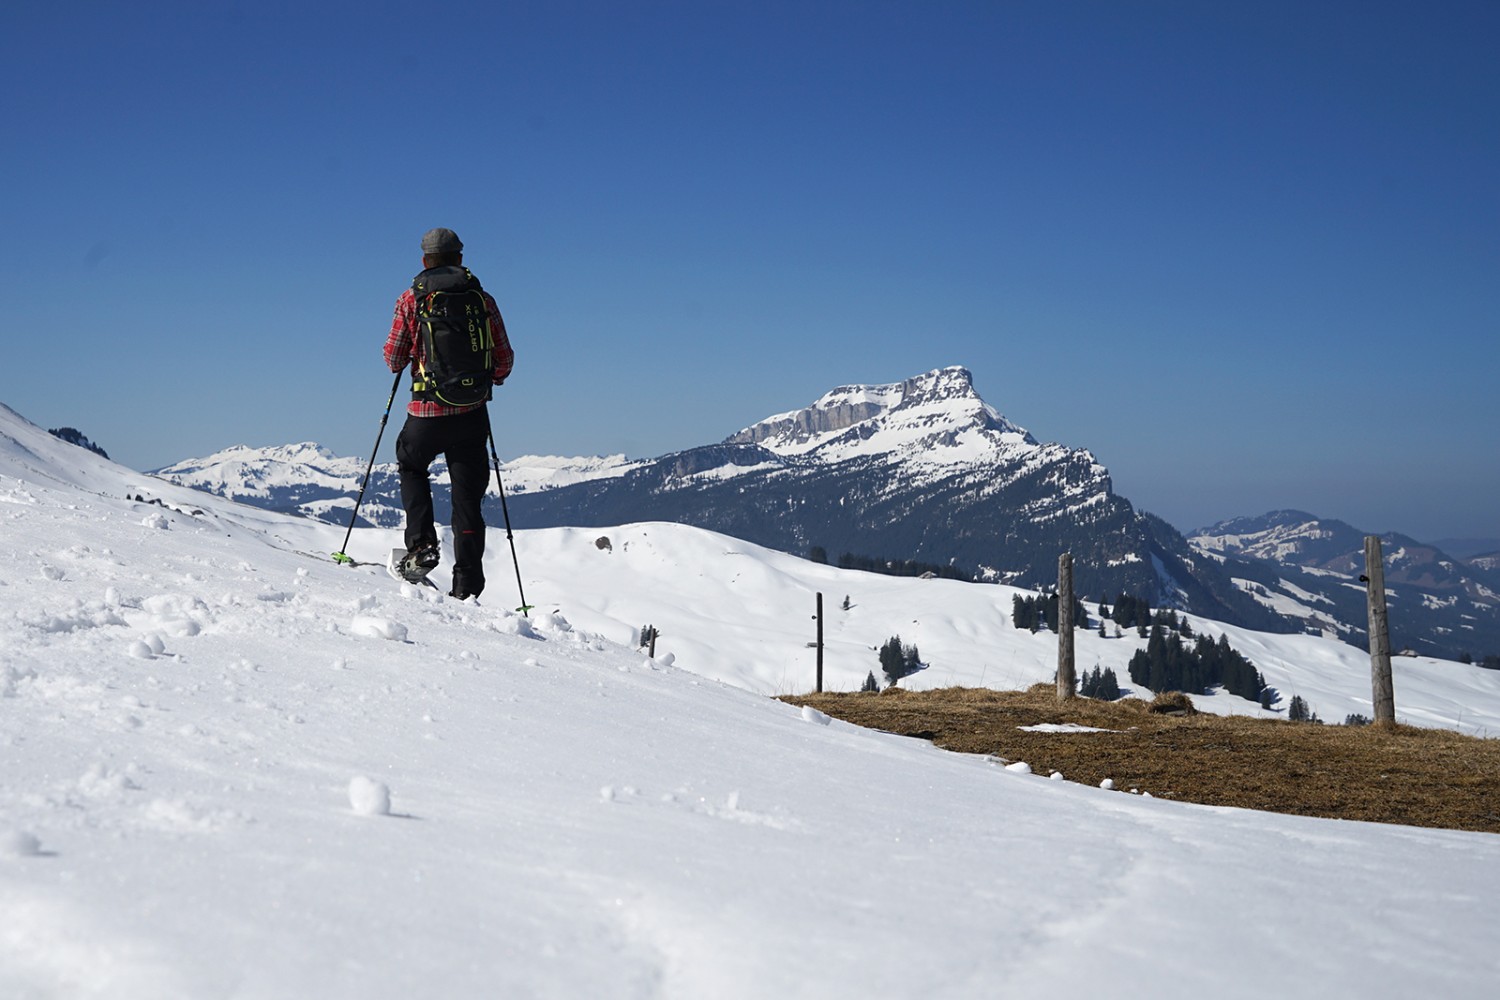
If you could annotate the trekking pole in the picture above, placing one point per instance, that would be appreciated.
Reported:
(339, 556)
(525, 608)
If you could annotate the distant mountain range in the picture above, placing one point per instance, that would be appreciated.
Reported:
(1307, 568)
(922, 469)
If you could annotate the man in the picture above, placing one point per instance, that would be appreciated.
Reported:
(455, 363)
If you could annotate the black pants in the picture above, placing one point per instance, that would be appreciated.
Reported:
(461, 440)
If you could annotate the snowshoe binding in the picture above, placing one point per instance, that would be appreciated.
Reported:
(414, 565)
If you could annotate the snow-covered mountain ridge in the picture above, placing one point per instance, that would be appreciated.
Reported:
(932, 419)
(231, 770)
(1308, 568)
(921, 469)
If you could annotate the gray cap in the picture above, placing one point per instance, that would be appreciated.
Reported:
(440, 240)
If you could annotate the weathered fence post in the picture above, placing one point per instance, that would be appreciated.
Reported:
(819, 617)
(1066, 678)
(1384, 695)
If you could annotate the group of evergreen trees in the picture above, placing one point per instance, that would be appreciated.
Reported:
(1130, 612)
(1169, 664)
(898, 660)
(1300, 711)
(1103, 685)
(1036, 613)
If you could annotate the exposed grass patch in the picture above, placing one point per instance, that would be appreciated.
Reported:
(1405, 774)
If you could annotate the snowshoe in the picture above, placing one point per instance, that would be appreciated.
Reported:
(414, 566)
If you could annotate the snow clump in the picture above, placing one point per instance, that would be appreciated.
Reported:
(810, 714)
(369, 797)
(372, 627)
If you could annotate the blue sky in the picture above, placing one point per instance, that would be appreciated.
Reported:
(1248, 254)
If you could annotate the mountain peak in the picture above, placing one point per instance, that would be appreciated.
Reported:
(953, 382)
(920, 417)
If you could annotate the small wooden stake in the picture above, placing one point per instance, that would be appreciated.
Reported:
(819, 617)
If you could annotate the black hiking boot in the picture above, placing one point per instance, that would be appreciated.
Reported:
(465, 585)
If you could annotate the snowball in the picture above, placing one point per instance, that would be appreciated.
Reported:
(810, 714)
(19, 844)
(378, 628)
(154, 640)
(140, 651)
(1108, 784)
(368, 797)
(1020, 767)
(1056, 776)
(666, 659)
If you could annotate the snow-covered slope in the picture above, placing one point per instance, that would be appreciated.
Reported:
(197, 724)
(742, 614)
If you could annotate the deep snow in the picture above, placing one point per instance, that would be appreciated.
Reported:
(228, 769)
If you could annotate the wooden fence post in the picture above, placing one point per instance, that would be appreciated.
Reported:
(819, 617)
(1066, 678)
(1384, 695)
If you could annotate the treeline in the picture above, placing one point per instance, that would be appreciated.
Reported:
(891, 567)
(1169, 664)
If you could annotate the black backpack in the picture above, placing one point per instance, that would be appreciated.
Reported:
(453, 321)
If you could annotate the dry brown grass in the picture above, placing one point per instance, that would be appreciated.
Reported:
(1401, 774)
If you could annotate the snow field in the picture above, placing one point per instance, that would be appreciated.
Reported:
(278, 803)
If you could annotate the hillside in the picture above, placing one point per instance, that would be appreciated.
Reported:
(198, 723)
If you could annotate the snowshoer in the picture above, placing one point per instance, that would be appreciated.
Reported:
(449, 330)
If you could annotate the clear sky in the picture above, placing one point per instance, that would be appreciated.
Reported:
(1247, 253)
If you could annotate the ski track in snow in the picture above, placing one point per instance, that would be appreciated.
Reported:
(230, 770)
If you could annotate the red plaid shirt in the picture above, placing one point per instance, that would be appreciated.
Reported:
(404, 347)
